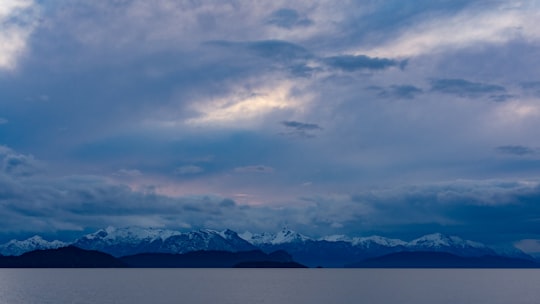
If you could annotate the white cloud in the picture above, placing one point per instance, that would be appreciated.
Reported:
(168, 23)
(18, 18)
(516, 119)
(3, 121)
(467, 29)
(16, 164)
(247, 106)
(7, 7)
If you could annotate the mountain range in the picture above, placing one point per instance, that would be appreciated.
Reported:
(329, 251)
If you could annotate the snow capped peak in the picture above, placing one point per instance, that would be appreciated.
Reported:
(210, 233)
(365, 241)
(257, 238)
(452, 244)
(134, 240)
(372, 245)
(284, 236)
(15, 247)
(378, 240)
(433, 240)
(228, 234)
(128, 234)
(288, 236)
(439, 240)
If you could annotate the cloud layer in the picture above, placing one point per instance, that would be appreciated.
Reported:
(491, 210)
(328, 117)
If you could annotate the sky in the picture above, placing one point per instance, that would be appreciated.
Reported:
(389, 117)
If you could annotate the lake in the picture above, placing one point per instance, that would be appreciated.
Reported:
(253, 286)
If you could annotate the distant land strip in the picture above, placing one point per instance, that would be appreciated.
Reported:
(74, 257)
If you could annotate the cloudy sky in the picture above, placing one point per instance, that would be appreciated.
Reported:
(388, 117)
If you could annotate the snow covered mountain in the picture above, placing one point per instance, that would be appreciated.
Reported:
(338, 250)
(15, 247)
(282, 237)
(438, 242)
(328, 251)
(377, 241)
(287, 236)
(124, 241)
(129, 241)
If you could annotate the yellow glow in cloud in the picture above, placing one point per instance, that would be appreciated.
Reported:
(460, 31)
(514, 117)
(516, 111)
(246, 106)
(13, 35)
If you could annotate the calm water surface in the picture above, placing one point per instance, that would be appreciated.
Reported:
(253, 286)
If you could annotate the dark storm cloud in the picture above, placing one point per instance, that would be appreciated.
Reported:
(277, 50)
(121, 95)
(258, 56)
(302, 70)
(77, 202)
(295, 56)
(351, 63)
(300, 129)
(288, 18)
(516, 150)
(487, 211)
(501, 97)
(397, 91)
(105, 94)
(227, 202)
(17, 164)
(300, 126)
(189, 156)
(491, 211)
(67, 205)
(462, 87)
(405, 91)
(124, 93)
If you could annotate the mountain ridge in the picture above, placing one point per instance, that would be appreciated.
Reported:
(36, 242)
(328, 251)
(64, 257)
(74, 257)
